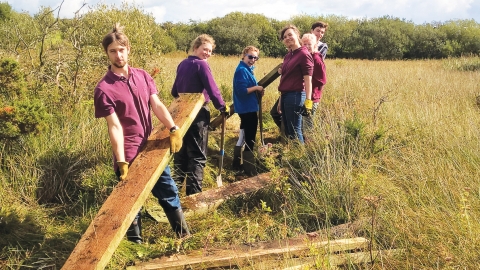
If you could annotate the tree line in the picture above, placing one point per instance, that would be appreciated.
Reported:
(383, 38)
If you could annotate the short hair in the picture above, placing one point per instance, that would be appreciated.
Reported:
(115, 35)
(203, 38)
(250, 48)
(312, 38)
(289, 26)
(320, 24)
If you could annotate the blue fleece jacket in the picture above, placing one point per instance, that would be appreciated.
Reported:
(243, 79)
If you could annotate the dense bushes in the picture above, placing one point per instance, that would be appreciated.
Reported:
(386, 37)
(375, 38)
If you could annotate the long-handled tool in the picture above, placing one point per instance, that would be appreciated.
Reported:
(260, 117)
(222, 151)
(263, 149)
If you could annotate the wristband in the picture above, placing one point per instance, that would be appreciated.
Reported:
(174, 128)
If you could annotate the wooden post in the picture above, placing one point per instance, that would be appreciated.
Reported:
(265, 81)
(109, 226)
(208, 200)
(211, 197)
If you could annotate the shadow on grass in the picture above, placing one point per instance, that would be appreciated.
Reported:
(24, 245)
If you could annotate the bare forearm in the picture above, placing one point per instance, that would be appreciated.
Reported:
(116, 140)
(162, 113)
(254, 88)
(308, 86)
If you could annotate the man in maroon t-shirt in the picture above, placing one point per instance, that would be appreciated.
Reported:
(124, 97)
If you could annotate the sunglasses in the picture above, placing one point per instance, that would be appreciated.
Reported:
(252, 57)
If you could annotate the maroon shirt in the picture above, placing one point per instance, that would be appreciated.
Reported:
(319, 77)
(130, 100)
(296, 64)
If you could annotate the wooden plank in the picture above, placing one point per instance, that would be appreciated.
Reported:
(270, 77)
(209, 200)
(109, 226)
(265, 81)
(245, 255)
(328, 261)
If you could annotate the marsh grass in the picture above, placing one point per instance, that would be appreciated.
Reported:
(405, 132)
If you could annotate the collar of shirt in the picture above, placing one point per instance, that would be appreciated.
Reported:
(112, 75)
(251, 68)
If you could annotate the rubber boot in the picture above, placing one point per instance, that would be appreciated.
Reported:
(134, 232)
(236, 164)
(178, 223)
(249, 164)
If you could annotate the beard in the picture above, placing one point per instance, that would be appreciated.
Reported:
(119, 65)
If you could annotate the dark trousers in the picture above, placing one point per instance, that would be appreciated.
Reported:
(249, 124)
(192, 157)
(277, 118)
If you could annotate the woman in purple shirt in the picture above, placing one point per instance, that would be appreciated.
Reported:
(295, 84)
(194, 76)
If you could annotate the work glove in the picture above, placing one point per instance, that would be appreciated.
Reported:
(226, 110)
(123, 167)
(308, 106)
(176, 140)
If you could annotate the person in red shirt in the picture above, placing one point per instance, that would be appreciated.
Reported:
(319, 77)
(124, 97)
(295, 83)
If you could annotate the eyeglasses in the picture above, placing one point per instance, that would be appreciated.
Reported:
(252, 57)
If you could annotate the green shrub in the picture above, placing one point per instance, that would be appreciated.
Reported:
(12, 81)
(24, 117)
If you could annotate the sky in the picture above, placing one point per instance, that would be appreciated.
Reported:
(418, 11)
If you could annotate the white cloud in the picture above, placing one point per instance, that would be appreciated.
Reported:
(158, 12)
(186, 10)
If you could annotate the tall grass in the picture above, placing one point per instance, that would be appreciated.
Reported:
(394, 153)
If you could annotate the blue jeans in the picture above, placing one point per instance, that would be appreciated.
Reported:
(165, 190)
(291, 105)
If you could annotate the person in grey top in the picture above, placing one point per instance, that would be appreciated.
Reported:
(319, 29)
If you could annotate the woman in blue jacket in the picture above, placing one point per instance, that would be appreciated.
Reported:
(245, 103)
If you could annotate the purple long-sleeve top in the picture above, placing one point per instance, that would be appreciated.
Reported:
(194, 76)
